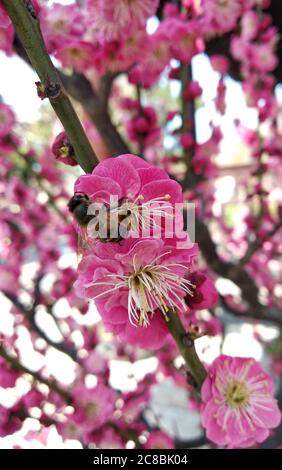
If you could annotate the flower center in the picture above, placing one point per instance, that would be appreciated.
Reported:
(237, 395)
(151, 287)
(144, 215)
(90, 409)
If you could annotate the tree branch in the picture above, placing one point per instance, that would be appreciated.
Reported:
(257, 244)
(30, 316)
(28, 30)
(94, 103)
(17, 366)
(186, 347)
(228, 270)
(252, 314)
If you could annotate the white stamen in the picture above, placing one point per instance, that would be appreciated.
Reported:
(143, 215)
(151, 287)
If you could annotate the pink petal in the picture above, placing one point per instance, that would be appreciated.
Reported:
(121, 172)
(161, 188)
(95, 186)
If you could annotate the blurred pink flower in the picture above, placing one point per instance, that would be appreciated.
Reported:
(93, 407)
(143, 126)
(114, 19)
(76, 54)
(204, 292)
(220, 63)
(222, 15)
(61, 24)
(134, 285)
(159, 440)
(140, 189)
(109, 439)
(8, 376)
(4, 18)
(63, 150)
(239, 409)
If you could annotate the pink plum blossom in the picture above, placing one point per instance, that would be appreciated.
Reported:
(8, 376)
(156, 56)
(76, 54)
(61, 24)
(93, 407)
(222, 15)
(143, 127)
(239, 409)
(159, 440)
(220, 63)
(183, 37)
(204, 292)
(112, 20)
(63, 150)
(192, 90)
(109, 439)
(141, 190)
(134, 285)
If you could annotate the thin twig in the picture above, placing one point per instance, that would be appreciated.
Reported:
(17, 366)
(186, 347)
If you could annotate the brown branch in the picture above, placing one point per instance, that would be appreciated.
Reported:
(257, 244)
(95, 103)
(254, 315)
(29, 313)
(17, 366)
(28, 30)
(228, 270)
(186, 347)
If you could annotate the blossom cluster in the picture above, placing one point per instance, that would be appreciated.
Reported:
(137, 281)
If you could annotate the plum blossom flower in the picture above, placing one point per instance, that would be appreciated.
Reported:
(156, 56)
(239, 409)
(183, 38)
(61, 24)
(93, 408)
(113, 19)
(205, 295)
(77, 54)
(220, 63)
(63, 150)
(134, 286)
(143, 192)
(9, 422)
(222, 14)
(159, 440)
(144, 126)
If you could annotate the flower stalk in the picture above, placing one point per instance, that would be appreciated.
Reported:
(28, 31)
(186, 348)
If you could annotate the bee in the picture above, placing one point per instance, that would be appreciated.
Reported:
(97, 219)
(78, 206)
